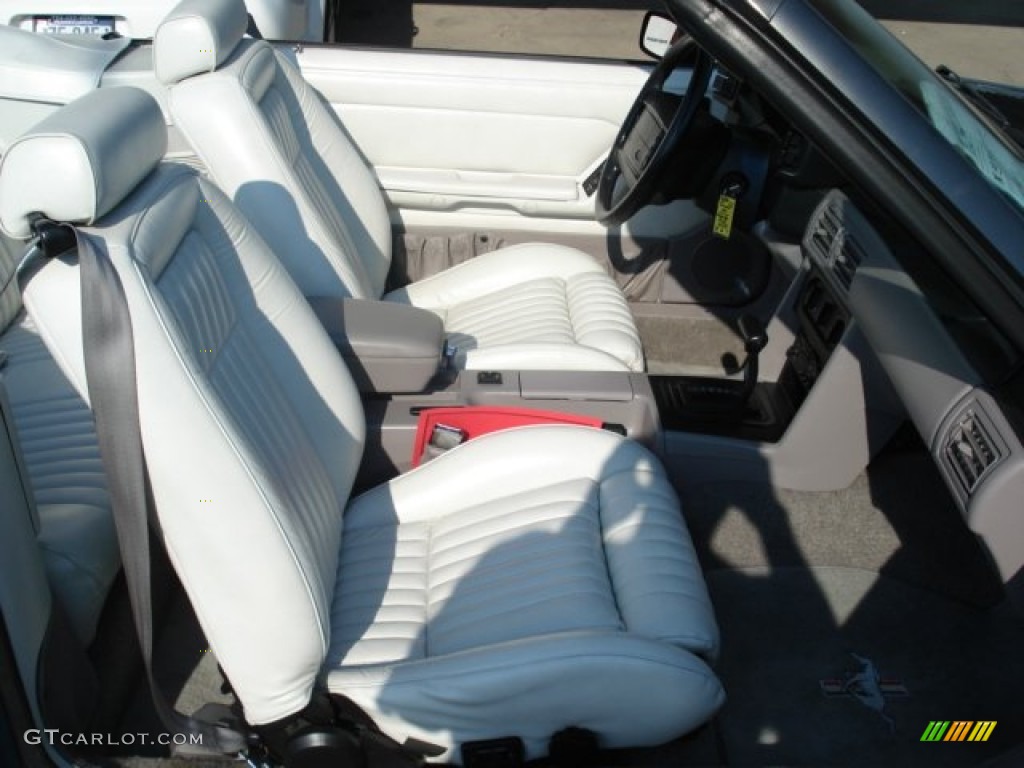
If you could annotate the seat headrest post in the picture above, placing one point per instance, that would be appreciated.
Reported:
(196, 37)
(80, 162)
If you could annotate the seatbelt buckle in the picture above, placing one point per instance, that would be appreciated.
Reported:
(442, 439)
(445, 437)
(449, 354)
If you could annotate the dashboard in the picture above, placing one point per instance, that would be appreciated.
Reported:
(960, 379)
(953, 384)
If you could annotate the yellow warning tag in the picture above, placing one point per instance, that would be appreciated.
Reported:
(724, 215)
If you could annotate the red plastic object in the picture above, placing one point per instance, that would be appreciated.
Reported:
(479, 420)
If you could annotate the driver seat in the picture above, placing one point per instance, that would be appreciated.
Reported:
(275, 148)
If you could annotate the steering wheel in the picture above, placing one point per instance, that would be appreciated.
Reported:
(650, 134)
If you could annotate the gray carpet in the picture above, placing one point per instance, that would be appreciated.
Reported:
(188, 675)
(687, 345)
(897, 518)
(785, 629)
(885, 569)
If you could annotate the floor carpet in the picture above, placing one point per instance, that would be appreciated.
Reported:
(787, 629)
(688, 345)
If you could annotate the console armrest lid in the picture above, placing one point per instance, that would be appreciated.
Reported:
(388, 347)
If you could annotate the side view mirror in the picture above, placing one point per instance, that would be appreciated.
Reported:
(657, 33)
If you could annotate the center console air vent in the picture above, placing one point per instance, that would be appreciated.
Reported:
(970, 450)
(832, 246)
(823, 237)
(848, 258)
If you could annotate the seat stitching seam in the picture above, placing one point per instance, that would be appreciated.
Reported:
(428, 611)
(604, 552)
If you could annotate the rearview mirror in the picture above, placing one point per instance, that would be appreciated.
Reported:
(657, 34)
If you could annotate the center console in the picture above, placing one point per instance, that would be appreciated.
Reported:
(622, 402)
(821, 407)
(751, 409)
(807, 409)
(399, 362)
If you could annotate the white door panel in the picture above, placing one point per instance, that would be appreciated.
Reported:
(478, 83)
(455, 138)
(454, 133)
(488, 142)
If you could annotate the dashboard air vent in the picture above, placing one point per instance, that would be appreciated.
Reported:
(832, 245)
(970, 450)
(847, 260)
(825, 232)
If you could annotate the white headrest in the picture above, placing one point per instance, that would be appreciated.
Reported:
(196, 37)
(82, 160)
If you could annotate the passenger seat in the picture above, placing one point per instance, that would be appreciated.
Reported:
(525, 582)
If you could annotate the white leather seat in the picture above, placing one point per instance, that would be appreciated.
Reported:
(275, 148)
(524, 582)
(507, 583)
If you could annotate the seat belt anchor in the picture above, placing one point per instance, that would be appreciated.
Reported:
(52, 239)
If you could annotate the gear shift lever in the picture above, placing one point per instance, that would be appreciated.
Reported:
(755, 339)
(713, 399)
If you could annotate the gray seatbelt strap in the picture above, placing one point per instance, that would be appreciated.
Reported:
(110, 375)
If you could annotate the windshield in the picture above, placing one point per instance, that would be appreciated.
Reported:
(972, 135)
